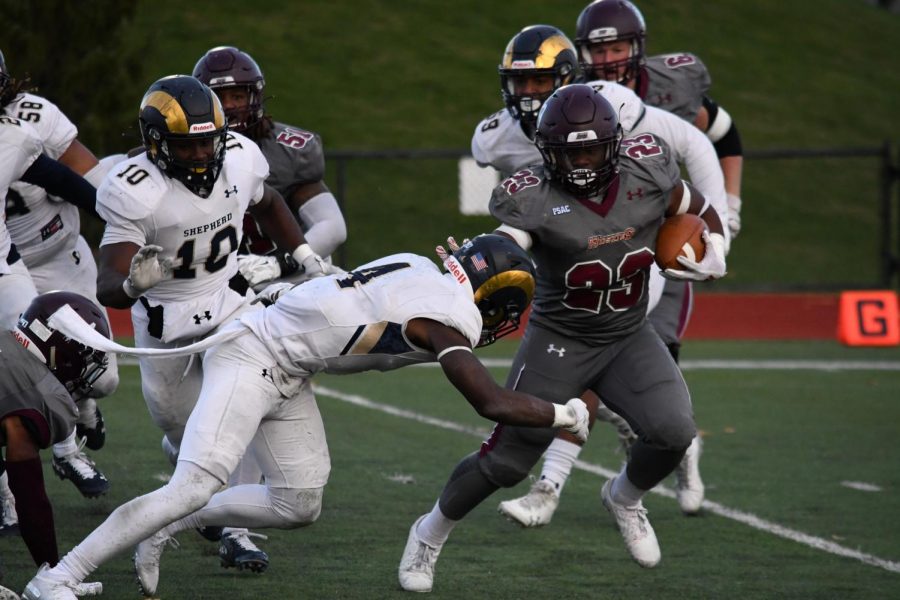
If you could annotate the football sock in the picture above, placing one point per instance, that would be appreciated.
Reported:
(558, 461)
(67, 447)
(435, 528)
(624, 492)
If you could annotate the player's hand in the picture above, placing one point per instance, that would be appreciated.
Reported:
(442, 252)
(711, 266)
(258, 269)
(579, 418)
(270, 294)
(734, 215)
(311, 264)
(147, 269)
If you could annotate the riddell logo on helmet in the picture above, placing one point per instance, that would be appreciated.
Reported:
(522, 64)
(456, 269)
(21, 338)
(201, 127)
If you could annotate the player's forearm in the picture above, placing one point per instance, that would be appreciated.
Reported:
(59, 180)
(324, 223)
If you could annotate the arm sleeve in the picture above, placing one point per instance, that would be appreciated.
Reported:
(61, 181)
(323, 223)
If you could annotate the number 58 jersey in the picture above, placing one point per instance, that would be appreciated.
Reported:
(593, 255)
(143, 206)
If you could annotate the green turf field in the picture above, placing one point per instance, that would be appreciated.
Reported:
(782, 433)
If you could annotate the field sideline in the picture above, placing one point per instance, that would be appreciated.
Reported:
(797, 436)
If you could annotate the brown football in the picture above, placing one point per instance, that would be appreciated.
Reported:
(680, 235)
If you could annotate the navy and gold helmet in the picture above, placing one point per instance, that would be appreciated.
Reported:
(502, 277)
(181, 110)
(537, 50)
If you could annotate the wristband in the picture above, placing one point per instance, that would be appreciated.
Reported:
(302, 252)
(562, 417)
(129, 289)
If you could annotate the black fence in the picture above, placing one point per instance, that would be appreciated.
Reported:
(888, 192)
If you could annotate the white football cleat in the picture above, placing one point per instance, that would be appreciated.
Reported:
(632, 522)
(8, 594)
(146, 561)
(689, 489)
(535, 508)
(416, 570)
(47, 586)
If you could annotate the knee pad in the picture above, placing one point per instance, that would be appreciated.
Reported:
(514, 453)
(298, 507)
(106, 384)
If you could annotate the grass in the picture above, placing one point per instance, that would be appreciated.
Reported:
(778, 444)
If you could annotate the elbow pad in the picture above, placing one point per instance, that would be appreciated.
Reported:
(722, 131)
(323, 222)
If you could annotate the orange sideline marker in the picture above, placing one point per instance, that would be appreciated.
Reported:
(869, 318)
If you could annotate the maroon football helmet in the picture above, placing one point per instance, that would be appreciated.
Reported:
(225, 67)
(75, 365)
(578, 135)
(609, 21)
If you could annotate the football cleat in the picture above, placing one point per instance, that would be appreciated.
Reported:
(416, 572)
(94, 438)
(8, 594)
(535, 508)
(689, 487)
(146, 561)
(81, 470)
(47, 586)
(236, 550)
(632, 522)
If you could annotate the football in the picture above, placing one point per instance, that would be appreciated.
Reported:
(681, 235)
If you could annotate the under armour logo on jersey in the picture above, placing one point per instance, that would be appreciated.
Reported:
(199, 318)
(638, 193)
(551, 348)
(77, 256)
(233, 190)
(266, 374)
(662, 99)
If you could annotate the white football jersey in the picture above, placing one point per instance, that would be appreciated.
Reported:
(42, 226)
(143, 206)
(357, 321)
(499, 142)
(20, 146)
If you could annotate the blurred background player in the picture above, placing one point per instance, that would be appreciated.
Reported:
(174, 218)
(393, 312)
(46, 232)
(588, 327)
(296, 166)
(41, 370)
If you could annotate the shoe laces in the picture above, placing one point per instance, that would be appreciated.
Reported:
(425, 557)
(80, 461)
(541, 491)
(242, 539)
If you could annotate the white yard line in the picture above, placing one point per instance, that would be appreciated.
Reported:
(713, 507)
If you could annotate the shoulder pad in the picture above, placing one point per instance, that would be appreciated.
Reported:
(649, 157)
(132, 190)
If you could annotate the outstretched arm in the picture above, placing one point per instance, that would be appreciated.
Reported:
(61, 181)
(476, 384)
(26, 481)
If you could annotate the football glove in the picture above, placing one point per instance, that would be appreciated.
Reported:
(442, 252)
(573, 417)
(311, 264)
(146, 271)
(711, 266)
(258, 269)
(734, 215)
(270, 294)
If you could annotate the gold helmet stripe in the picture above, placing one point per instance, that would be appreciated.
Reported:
(520, 279)
(169, 108)
(546, 55)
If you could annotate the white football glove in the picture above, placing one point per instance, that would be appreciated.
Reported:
(711, 266)
(146, 271)
(258, 269)
(573, 417)
(734, 215)
(311, 264)
(268, 295)
(443, 253)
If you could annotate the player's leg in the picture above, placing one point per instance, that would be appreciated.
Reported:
(17, 290)
(670, 319)
(644, 385)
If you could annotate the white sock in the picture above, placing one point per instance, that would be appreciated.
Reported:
(558, 461)
(87, 412)
(67, 447)
(624, 492)
(435, 528)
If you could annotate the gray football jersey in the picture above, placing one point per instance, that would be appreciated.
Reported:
(28, 389)
(676, 83)
(593, 257)
(295, 157)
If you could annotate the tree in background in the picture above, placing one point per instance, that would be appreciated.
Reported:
(88, 59)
